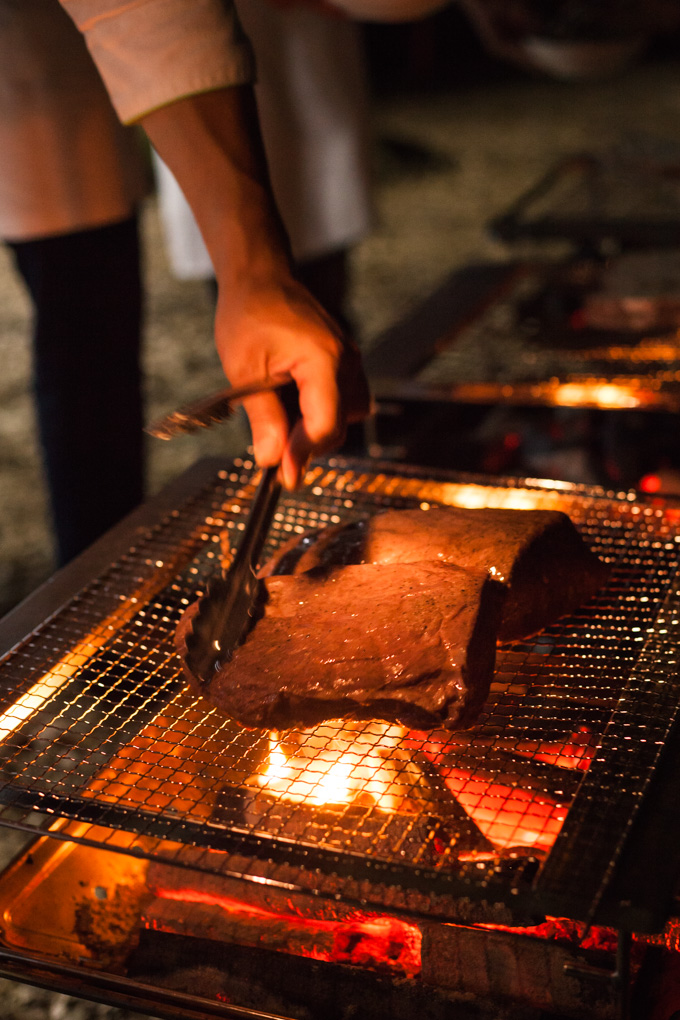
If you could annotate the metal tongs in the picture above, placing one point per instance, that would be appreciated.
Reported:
(230, 605)
(210, 410)
(229, 608)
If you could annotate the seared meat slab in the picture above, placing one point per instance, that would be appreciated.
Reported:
(410, 643)
(538, 554)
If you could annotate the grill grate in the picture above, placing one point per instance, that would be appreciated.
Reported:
(98, 727)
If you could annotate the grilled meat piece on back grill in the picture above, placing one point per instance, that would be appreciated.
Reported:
(539, 554)
(410, 643)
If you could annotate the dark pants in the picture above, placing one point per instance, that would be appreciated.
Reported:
(87, 297)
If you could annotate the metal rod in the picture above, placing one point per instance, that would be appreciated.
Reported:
(125, 993)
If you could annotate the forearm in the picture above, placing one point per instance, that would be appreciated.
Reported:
(212, 144)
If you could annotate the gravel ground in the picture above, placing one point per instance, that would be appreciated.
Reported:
(469, 153)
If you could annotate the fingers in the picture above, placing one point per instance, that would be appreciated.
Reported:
(269, 428)
(321, 424)
(295, 458)
(330, 395)
(319, 428)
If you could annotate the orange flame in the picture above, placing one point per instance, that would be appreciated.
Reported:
(338, 763)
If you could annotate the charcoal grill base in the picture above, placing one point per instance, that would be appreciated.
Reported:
(297, 988)
(467, 974)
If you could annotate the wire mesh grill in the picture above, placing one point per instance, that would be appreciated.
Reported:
(98, 727)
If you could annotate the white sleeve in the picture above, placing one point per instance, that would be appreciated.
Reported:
(152, 52)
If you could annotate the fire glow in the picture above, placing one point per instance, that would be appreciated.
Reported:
(597, 393)
(507, 815)
(381, 766)
(40, 693)
(336, 763)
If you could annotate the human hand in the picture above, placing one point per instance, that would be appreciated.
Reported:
(282, 330)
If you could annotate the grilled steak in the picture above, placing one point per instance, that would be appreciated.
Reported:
(409, 643)
(547, 567)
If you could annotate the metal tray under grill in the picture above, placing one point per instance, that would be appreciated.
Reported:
(97, 725)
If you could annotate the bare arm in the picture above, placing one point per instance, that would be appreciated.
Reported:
(266, 322)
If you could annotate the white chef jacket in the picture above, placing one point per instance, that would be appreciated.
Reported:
(66, 161)
(312, 98)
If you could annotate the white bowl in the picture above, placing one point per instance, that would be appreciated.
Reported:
(583, 59)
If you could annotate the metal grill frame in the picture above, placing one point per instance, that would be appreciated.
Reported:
(540, 214)
(513, 888)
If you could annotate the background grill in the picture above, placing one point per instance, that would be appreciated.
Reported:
(99, 729)
(523, 348)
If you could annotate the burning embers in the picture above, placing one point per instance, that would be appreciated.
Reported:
(516, 792)
(288, 923)
(382, 790)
